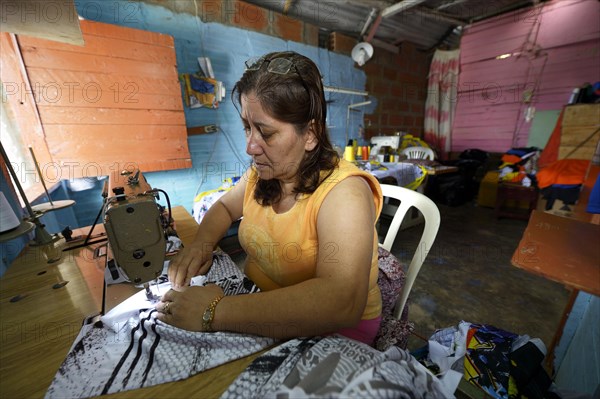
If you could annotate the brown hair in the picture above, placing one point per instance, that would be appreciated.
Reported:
(296, 97)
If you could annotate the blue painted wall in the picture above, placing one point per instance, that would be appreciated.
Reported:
(222, 155)
(10, 249)
(217, 156)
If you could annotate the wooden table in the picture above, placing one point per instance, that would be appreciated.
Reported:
(38, 330)
(441, 169)
(564, 250)
(561, 249)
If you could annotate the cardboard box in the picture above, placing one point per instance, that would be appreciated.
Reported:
(487, 189)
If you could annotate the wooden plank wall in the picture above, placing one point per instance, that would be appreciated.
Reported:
(21, 110)
(490, 108)
(112, 104)
(580, 131)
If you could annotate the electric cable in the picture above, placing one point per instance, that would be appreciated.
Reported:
(233, 148)
(212, 151)
(156, 190)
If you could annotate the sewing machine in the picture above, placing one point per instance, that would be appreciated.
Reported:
(137, 229)
(378, 142)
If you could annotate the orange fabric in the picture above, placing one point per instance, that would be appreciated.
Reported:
(565, 171)
(282, 248)
(550, 152)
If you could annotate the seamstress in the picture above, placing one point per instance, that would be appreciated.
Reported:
(308, 225)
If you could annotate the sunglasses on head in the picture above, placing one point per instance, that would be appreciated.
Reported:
(279, 66)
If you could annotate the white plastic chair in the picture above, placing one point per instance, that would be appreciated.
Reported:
(418, 153)
(431, 215)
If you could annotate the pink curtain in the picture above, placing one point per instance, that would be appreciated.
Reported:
(441, 100)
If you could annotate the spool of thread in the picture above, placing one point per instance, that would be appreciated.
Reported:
(8, 218)
(359, 152)
(365, 153)
(349, 153)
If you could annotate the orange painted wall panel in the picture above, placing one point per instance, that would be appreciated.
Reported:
(105, 46)
(75, 61)
(124, 33)
(109, 83)
(108, 116)
(96, 97)
(117, 100)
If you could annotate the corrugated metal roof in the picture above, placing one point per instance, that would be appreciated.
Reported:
(426, 23)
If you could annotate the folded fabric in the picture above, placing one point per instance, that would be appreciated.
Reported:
(201, 85)
(131, 349)
(200, 91)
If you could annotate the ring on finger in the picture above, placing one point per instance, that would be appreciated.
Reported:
(166, 308)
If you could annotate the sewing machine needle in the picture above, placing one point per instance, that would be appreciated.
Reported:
(150, 295)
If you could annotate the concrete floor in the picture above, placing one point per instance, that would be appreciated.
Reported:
(468, 276)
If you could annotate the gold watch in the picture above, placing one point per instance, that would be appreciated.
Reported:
(209, 314)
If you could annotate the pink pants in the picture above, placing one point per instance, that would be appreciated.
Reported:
(365, 331)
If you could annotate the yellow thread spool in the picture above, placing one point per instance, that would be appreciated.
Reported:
(349, 153)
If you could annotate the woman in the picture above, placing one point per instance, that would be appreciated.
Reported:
(308, 224)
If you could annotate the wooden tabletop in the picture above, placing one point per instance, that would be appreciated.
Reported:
(433, 167)
(441, 169)
(38, 329)
(561, 249)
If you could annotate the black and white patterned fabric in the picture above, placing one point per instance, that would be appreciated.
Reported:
(336, 367)
(129, 348)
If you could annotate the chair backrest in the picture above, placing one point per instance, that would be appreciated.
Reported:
(431, 215)
(418, 153)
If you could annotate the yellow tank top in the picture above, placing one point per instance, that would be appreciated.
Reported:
(282, 248)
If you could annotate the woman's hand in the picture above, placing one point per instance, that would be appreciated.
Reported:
(184, 309)
(190, 262)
